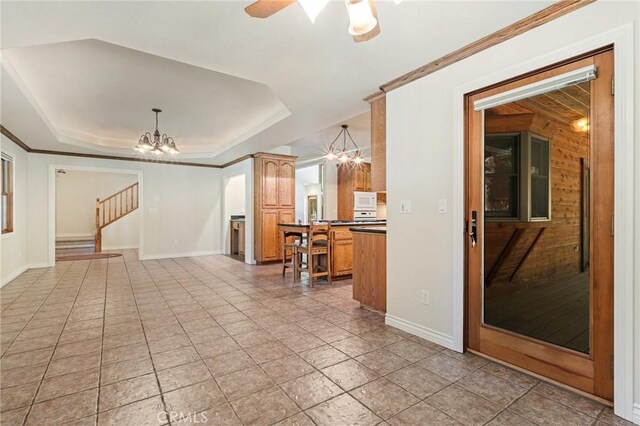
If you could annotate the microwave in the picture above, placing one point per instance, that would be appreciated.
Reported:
(364, 201)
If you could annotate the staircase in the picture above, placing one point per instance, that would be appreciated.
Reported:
(113, 208)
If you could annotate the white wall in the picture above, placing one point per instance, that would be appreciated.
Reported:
(76, 193)
(305, 176)
(180, 205)
(13, 246)
(234, 175)
(423, 128)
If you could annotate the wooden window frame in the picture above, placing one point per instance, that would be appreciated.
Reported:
(523, 196)
(8, 193)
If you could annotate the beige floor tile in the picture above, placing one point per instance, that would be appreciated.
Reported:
(14, 417)
(418, 381)
(193, 399)
(175, 357)
(540, 410)
(384, 397)
(409, 350)
(510, 375)
(355, 346)
(127, 391)
(349, 374)
(229, 362)
(323, 356)
(423, 414)
(265, 407)
(446, 366)
(26, 358)
(569, 399)
(123, 370)
(21, 375)
(507, 418)
(64, 409)
(268, 352)
(464, 406)
(222, 415)
(183, 375)
(285, 369)
(342, 410)
(244, 382)
(493, 388)
(67, 384)
(607, 417)
(18, 396)
(382, 361)
(211, 348)
(311, 389)
(142, 413)
(299, 419)
(124, 353)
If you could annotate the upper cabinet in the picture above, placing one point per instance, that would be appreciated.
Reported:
(379, 144)
(270, 171)
(351, 178)
(286, 183)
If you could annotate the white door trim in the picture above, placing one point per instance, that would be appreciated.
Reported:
(623, 40)
(52, 204)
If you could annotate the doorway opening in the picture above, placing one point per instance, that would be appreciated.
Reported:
(96, 214)
(539, 211)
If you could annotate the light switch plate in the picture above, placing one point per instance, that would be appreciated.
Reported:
(442, 206)
(405, 206)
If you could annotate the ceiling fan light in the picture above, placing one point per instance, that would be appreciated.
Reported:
(330, 156)
(313, 8)
(358, 159)
(361, 19)
(344, 158)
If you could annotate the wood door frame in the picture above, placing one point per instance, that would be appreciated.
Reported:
(591, 373)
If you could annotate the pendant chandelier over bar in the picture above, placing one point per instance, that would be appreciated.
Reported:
(344, 149)
(158, 146)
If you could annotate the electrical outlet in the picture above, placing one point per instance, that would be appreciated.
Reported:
(442, 206)
(425, 297)
(405, 206)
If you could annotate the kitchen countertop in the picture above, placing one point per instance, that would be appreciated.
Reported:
(372, 230)
(334, 224)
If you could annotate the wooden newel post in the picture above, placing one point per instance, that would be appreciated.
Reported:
(98, 228)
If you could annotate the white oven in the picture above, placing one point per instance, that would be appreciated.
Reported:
(363, 201)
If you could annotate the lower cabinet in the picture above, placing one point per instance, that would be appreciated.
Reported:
(270, 248)
(341, 253)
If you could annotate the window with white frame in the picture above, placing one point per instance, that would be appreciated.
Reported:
(7, 193)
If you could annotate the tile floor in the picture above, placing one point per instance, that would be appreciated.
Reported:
(210, 340)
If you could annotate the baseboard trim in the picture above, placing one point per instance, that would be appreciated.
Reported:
(636, 413)
(170, 255)
(420, 331)
(12, 276)
(119, 247)
(62, 237)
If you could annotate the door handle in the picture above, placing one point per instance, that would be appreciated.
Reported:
(474, 228)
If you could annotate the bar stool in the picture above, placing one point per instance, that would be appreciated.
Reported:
(317, 244)
(288, 245)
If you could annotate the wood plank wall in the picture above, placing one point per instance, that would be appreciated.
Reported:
(558, 252)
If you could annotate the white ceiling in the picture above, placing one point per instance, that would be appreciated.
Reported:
(314, 70)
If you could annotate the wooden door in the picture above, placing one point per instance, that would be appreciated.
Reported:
(241, 238)
(286, 184)
(269, 236)
(270, 173)
(530, 303)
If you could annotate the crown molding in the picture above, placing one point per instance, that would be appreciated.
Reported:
(535, 20)
(30, 150)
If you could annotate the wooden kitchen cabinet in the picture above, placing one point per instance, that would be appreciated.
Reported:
(274, 203)
(350, 179)
(370, 269)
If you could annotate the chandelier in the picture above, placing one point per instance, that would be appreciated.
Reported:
(344, 149)
(158, 146)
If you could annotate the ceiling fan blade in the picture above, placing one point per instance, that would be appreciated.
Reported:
(266, 8)
(375, 31)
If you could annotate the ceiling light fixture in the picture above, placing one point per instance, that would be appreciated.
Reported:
(345, 152)
(313, 8)
(361, 19)
(158, 145)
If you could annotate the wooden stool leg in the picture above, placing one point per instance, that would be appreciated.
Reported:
(310, 268)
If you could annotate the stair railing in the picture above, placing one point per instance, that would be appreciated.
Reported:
(113, 208)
